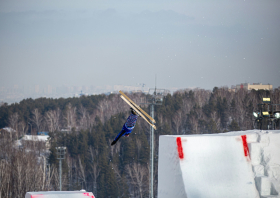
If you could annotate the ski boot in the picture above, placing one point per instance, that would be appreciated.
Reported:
(134, 112)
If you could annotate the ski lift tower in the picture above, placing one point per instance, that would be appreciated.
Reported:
(155, 97)
(60, 153)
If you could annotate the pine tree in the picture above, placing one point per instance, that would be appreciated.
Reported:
(145, 149)
(128, 150)
(222, 110)
(111, 182)
(212, 127)
(234, 126)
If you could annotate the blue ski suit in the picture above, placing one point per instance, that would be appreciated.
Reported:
(128, 126)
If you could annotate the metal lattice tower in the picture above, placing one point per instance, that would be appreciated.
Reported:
(60, 153)
(155, 99)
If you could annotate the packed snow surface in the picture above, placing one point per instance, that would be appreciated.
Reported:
(243, 164)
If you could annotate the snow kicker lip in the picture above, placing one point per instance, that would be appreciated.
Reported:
(236, 164)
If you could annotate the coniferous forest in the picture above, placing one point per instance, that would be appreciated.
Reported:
(87, 125)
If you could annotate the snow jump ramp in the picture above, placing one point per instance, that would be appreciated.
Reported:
(244, 164)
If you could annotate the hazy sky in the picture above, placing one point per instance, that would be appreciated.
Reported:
(186, 43)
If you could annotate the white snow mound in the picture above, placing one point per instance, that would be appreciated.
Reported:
(243, 164)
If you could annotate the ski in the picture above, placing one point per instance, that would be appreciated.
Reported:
(147, 115)
(137, 111)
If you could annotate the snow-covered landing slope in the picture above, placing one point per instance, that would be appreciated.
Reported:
(244, 164)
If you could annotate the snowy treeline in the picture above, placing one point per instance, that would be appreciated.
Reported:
(92, 122)
(45, 114)
(201, 111)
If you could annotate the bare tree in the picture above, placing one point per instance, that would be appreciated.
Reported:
(216, 119)
(56, 119)
(70, 116)
(21, 169)
(102, 107)
(14, 124)
(52, 118)
(55, 178)
(23, 127)
(194, 124)
(177, 120)
(137, 174)
(82, 174)
(84, 118)
(37, 119)
(119, 179)
(201, 96)
(187, 105)
(49, 120)
(4, 176)
(5, 164)
(95, 170)
(18, 167)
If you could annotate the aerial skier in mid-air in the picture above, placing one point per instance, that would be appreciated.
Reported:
(130, 123)
(128, 126)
